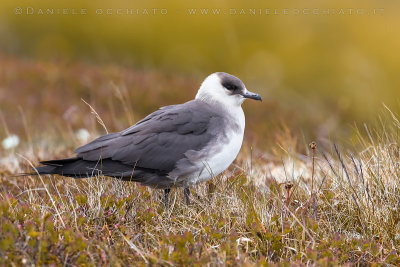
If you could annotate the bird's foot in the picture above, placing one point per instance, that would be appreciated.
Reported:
(166, 197)
(186, 193)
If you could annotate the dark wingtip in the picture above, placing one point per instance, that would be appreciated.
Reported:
(59, 162)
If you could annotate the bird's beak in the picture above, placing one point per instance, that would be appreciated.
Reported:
(252, 95)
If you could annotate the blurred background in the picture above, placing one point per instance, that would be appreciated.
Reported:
(321, 68)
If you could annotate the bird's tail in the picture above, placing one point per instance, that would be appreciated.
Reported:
(80, 168)
(71, 167)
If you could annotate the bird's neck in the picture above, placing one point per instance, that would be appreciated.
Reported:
(229, 103)
(234, 111)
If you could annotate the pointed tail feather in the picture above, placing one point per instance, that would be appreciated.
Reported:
(79, 168)
(37, 171)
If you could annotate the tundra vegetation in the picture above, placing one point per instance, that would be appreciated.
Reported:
(285, 200)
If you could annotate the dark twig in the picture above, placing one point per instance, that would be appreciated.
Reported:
(313, 146)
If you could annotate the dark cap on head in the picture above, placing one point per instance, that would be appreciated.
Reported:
(235, 86)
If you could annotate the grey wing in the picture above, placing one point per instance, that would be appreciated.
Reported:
(160, 140)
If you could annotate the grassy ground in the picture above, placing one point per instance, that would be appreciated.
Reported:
(336, 204)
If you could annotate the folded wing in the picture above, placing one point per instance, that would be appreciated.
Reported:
(160, 140)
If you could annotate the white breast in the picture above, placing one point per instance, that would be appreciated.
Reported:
(221, 160)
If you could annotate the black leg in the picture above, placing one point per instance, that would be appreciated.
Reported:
(166, 196)
(186, 192)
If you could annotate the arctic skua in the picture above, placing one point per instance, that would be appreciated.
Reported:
(175, 146)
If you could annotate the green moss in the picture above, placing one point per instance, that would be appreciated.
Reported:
(6, 243)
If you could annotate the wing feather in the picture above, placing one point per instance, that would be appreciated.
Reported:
(159, 140)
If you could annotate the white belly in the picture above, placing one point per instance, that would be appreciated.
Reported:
(221, 160)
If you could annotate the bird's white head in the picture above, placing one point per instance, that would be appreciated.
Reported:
(224, 88)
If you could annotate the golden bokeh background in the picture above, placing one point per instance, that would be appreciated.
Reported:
(318, 73)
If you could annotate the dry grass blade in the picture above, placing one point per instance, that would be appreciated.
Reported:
(122, 96)
(134, 247)
(93, 111)
(394, 117)
(47, 190)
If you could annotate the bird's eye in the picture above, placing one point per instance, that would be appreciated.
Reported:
(230, 86)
